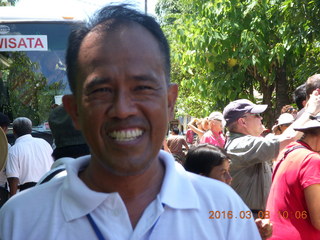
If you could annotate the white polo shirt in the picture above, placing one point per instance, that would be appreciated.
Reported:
(29, 159)
(188, 207)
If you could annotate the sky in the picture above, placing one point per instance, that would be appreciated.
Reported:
(84, 7)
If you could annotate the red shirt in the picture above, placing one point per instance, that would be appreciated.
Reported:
(286, 202)
(189, 136)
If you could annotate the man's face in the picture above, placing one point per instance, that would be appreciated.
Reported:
(253, 124)
(123, 104)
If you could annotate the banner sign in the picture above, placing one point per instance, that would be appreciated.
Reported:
(13, 43)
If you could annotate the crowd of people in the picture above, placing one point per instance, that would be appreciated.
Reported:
(252, 159)
(225, 179)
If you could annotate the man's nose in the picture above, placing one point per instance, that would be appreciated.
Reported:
(123, 105)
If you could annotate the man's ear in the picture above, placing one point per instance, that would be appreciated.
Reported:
(71, 107)
(172, 98)
(241, 122)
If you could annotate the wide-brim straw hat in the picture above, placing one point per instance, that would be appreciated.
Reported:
(3, 149)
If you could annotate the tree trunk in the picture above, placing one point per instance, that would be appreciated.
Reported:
(282, 96)
(268, 115)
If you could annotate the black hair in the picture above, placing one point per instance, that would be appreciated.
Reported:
(202, 158)
(175, 130)
(4, 120)
(112, 17)
(300, 95)
(22, 126)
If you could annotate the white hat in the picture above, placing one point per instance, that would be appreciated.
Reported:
(216, 116)
(285, 118)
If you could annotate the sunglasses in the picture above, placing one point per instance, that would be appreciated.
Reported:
(289, 110)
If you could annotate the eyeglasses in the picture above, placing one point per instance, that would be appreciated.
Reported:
(256, 115)
(315, 118)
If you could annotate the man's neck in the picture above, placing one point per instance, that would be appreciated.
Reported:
(313, 142)
(137, 192)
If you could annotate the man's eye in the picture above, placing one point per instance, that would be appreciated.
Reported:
(102, 90)
(143, 87)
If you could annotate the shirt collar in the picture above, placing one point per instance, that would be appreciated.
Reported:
(78, 200)
(177, 190)
(23, 137)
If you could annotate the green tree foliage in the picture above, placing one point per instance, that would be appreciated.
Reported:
(29, 94)
(228, 49)
(167, 10)
(8, 2)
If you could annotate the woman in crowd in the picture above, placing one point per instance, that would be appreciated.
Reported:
(213, 162)
(209, 161)
(191, 135)
(282, 123)
(202, 125)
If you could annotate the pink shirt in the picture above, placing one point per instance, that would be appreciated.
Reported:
(286, 203)
(214, 139)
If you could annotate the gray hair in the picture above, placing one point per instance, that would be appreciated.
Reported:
(22, 126)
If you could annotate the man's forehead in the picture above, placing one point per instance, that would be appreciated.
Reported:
(133, 36)
(111, 28)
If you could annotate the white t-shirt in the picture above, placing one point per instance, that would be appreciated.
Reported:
(182, 210)
(29, 159)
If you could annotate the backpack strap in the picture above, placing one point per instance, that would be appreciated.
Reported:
(283, 158)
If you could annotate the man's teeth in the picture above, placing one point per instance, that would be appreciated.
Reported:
(126, 135)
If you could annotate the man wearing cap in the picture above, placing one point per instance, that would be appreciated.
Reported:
(293, 202)
(214, 136)
(251, 154)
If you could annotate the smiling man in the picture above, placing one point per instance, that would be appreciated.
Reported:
(122, 101)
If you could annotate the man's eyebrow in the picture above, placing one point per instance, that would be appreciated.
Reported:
(144, 78)
(95, 82)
